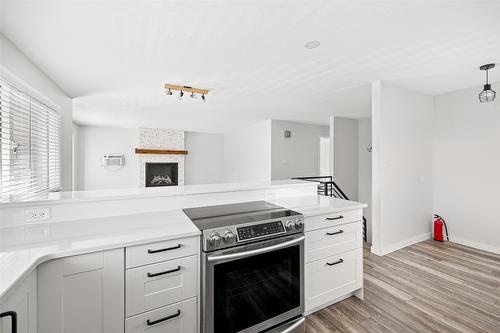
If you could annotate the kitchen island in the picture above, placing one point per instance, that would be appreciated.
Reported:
(128, 222)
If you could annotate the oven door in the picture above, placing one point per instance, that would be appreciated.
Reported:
(254, 287)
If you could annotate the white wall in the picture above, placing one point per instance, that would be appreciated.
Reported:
(93, 142)
(247, 153)
(365, 171)
(204, 163)
(402, 168)
(16, 68)
(466, 167)
(297, 156)
(345, 151)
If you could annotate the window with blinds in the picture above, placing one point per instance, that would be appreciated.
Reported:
(30, 145)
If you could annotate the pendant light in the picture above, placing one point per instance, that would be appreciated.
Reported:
(488, 94)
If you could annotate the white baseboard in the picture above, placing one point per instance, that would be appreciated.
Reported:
(476, 245)
(394, 247)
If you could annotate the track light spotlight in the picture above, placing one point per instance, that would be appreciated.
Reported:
(193, 95)
(168, 92)
(203, 97)
(181, 94)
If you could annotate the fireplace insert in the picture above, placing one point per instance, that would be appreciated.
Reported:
(161, 174)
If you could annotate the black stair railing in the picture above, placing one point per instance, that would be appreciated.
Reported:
(328, 187)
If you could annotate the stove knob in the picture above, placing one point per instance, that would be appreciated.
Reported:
(298, 224)
(214, 239)
(228, 237)
(289, 225)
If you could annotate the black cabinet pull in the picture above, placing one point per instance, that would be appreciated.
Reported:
(13, 317)
(335, 263)
(335, 218)
(334, 233)
(161, 320)
(165, 272)
(178, 246)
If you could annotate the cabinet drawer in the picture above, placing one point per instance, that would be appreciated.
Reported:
(330, 241)
(332, 219)
(176, 318)
(156, 252)
(333, 277)
(153, 286)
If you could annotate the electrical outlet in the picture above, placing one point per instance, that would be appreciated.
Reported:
(36, 215)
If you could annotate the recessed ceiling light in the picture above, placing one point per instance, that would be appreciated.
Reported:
(312, 44)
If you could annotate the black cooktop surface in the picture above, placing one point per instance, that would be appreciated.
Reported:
(209, 217)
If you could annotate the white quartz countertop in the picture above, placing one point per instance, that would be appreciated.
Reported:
(85, 236)
(150, 192)
(317, 204)
(109, 233)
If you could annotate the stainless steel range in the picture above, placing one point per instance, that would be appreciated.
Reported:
(252, 267)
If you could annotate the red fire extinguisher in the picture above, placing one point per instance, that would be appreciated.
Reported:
(438, 229)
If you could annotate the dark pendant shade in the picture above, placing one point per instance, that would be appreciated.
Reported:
(487, 95)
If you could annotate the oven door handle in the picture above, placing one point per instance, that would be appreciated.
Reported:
(256, 251)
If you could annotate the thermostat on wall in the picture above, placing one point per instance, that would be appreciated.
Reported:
(113, 160)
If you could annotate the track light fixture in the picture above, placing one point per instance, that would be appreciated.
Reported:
(194, 91)
(488, 94)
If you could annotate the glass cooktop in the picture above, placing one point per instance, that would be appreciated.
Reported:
(209, 217)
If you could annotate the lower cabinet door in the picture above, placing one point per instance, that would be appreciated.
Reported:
(176, 318)
(333, 277)
(82, 294)
(22, 300)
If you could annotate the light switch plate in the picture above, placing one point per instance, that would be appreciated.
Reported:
(37, 215)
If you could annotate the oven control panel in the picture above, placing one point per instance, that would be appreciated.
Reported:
(260, 230)
(234, 235)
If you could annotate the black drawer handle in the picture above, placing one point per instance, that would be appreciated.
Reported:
(161, 320)
(335, 263)
(335, 218)
(334, 233)
(178, 246)
(165, 272)
(13, 317)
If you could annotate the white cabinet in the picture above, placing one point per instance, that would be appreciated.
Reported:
(22, 300)
(162, 284)
(333, 258)
(82, 294)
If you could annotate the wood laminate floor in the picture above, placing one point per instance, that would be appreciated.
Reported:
(426, 287)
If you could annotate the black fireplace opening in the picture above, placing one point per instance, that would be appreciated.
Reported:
(161, 174)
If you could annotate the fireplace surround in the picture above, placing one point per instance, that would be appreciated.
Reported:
(160, 139)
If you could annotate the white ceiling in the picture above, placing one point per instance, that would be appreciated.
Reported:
(113, 57)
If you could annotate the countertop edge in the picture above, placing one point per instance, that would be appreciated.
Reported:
(327, 211)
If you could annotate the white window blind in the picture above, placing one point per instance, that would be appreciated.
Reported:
(30, 145)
